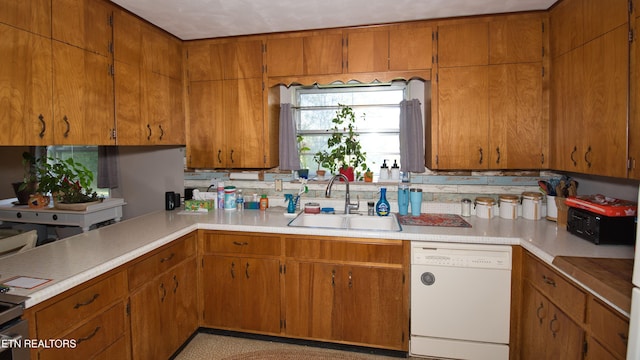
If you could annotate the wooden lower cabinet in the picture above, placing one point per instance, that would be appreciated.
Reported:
(350, 303)
(548, 333)
(241, 293)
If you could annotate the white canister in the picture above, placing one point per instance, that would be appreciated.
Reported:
(484, 207)
(509, 206)
(532, 205)
(230, 198)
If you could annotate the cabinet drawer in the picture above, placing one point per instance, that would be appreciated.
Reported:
(119, 350)
(256, 244)
(611, 329)
(559, 290)
(91, 338)
(161, 261)
(336, 250)
(83, 304)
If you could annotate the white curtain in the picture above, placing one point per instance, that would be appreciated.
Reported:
(289, 156)
(411, 137)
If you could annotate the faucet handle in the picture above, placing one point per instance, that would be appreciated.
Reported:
(355, 206)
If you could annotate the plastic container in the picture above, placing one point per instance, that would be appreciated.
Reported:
(382, 206)
(484, 207)
(465, 207)
(264, 202)
(532, 205)
(220, 195)
(230, 198)
(311, 208)
(239, 200)
(509, 206)
(403, 199)
(415, 197)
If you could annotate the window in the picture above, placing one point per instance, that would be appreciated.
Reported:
(377, 109)
(86, 155)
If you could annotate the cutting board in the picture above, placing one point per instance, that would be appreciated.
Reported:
(610, 278)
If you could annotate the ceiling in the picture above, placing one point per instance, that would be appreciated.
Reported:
(200, 19)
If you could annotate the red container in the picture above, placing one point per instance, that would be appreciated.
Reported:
(603, 205)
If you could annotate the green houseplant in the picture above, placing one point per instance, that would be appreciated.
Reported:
(68, 181)
(344, 152)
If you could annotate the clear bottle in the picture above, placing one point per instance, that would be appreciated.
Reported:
(239, 200)
(382, 206)
(395, 171)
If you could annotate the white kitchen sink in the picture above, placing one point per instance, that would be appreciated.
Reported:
(347, 221)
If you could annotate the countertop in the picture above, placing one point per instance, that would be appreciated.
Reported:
(74, 260)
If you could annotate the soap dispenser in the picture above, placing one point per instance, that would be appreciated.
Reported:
(384, 171)
(395, 171)
(382, 206)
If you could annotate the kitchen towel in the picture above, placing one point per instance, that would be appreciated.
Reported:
(411, 136)
(289, 156)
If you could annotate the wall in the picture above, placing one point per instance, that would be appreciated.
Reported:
(11, 169)
(146, 173)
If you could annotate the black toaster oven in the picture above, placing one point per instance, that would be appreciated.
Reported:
(601, 229)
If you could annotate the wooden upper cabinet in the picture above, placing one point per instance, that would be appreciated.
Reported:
(243, 59)
(83, 97)
(219, 60)
(83, 23)
(285, 56)
(205, 61)
(515, 41)
(410, 48)
(566, 26)
(26, 114)
(516, 127)
(323, 54)
(127, 38)
(33, 16)
(463, 116)
(601, 17)
(367, 51)
(463, 44)
(161, 52)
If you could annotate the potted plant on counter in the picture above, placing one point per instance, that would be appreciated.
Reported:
(68, 182)
(344, 152)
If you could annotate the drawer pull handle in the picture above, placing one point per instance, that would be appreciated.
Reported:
(167, 258)
(88, 337)
(350, 279)
(175, 280)
(79, 305)
(66, 121)
(237, 243)
(624, 338)
(548, 280)
(246, 271)
(540, 308)
(553, 332)
(44, 126)
(164, 292)
(333, 277)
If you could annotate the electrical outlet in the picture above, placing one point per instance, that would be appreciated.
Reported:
(278, 183)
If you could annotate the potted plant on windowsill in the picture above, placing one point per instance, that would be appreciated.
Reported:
(344, 152)
(67, 181)
(29, 183)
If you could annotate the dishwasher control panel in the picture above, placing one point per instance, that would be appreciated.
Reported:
(461, 255)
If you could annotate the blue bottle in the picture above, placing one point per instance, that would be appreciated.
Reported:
(382, 206)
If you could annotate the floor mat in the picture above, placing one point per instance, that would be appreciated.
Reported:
(446, 220)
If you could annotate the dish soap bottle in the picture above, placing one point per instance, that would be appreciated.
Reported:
(384, 171)
(382, 206)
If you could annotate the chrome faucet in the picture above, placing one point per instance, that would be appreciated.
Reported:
(348, 206)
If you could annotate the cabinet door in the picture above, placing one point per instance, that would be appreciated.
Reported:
(368, 51)
(33, 16)
(565, 339)
(83, 23)
(634, 116)
(606, 74)
(25, 88)
(161, 53)
(205, 124)
(83, 96)
(221, 290)
(147, 311)
(322, 54)
(464, 44)
(566, 119)
(371, 302)
(162, 96)
(260, 295)
(515, 41)
(310, 307)
(463, 117)
(285, 56)
(182, 309)
(205, 61)
(566, 27)
(410, 48)
(243, 123)
(515, 108)
(243, 59)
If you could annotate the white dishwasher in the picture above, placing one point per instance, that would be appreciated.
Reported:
(460, 300)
